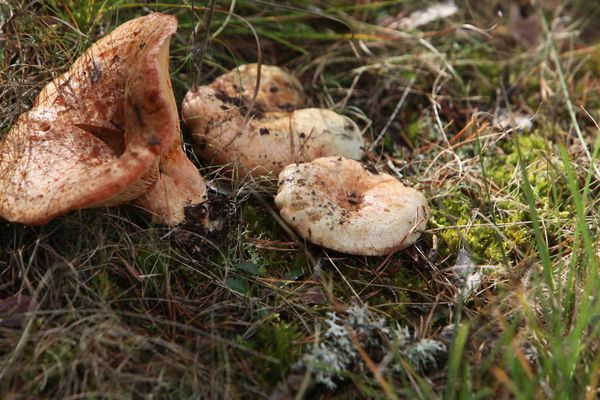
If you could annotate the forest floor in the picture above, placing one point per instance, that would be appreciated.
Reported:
(491, 113)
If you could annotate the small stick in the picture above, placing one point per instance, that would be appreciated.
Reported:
(199, 60)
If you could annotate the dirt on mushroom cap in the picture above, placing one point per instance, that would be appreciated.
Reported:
(273, 136)
(95, 134)
(278, 90)
(342, 205)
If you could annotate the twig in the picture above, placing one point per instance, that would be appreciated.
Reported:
(394, 113)
(199, 60)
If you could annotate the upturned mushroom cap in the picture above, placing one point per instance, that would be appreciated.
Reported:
(276, 135)
(343, 205)
(94, 135)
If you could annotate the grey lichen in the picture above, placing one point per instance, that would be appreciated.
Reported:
(418, 352)
(336, 354)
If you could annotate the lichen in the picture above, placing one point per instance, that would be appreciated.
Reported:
(337, 354)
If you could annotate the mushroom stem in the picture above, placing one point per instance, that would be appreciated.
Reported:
(178, 186)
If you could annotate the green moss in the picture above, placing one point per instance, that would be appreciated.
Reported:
(450, 214)
(256, 222)
(482, 242)
(502, 168)
(277, 339)
(458, 213)
(544, 173)
(258, 226)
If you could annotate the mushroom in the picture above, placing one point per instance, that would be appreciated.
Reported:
(278, 90)
(95, 135)
(278, 131)
(349, 207)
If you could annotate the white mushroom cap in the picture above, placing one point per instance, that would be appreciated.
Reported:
(274, 136)
(343, 205)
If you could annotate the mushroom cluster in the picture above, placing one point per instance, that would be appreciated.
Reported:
(326, 196)
(263, 134)
(104, 133)
(107, 132)
(348, 206)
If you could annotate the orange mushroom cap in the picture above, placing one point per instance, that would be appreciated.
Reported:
(95, 135)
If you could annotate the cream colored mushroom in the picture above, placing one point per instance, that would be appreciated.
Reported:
(279, 132)
(278, 90)
(95, 135)
(343, 205)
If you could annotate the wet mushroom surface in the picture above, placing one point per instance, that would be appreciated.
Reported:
(347, 206)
